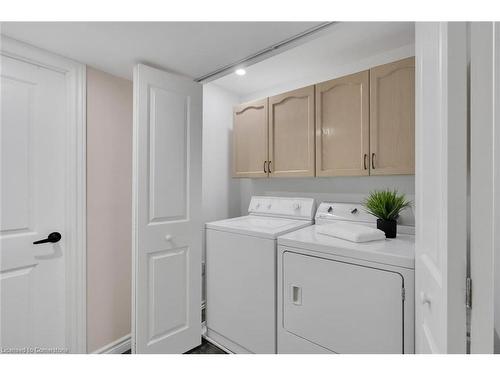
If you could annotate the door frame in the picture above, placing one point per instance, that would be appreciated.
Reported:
(75, 185)
(484, 183)
(441, 51)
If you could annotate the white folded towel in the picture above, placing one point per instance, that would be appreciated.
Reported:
(351, 232)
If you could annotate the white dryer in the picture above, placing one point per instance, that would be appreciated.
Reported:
(336, 296)
(241, 272)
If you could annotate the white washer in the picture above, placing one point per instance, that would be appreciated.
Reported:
(241, 272)
(337, 296)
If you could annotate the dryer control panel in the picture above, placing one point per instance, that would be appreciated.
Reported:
(294, 208)
(328, 212)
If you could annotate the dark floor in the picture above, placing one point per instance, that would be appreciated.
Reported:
(204, 348)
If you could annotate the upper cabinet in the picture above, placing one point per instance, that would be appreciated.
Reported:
(291, 134)
(250, 132)
(392, 118)
(357, 125)
(342, 126)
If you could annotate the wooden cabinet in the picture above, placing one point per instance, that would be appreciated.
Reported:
(250, 139)
(358, 125)
(291, 134)
(392, 118)
(342, 126)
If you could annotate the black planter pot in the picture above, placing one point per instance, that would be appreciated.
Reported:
(389, 227)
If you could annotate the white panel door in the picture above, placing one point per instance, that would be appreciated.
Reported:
(167, 226)
(440, 187)
(33, 204)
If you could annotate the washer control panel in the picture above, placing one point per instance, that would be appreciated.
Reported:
(296, 208)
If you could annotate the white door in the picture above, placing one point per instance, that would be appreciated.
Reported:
(33, 203)
(167, 226)
(441, 187)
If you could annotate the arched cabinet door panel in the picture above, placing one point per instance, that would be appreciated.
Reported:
(291, 134)
(250, 153)
(342, 126)
(392, 118)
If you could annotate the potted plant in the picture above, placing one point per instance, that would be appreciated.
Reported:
(386, 206)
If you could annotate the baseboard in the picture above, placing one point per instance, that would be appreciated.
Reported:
(116, 347)
(215, 343)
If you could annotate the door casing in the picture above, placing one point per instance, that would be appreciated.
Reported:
(440, 187)
(484, 184)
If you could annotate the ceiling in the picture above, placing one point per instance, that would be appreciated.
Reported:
(343, 44)
(189, 48)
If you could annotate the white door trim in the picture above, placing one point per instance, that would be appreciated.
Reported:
(75, 74)
(440, 187)
(484, 184)
(496, 188)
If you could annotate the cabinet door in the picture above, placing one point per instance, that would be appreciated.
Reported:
(392, 118)
(250, 139)
(291, 134)
(342, 127)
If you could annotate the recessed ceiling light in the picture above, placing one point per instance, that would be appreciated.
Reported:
(241, 72)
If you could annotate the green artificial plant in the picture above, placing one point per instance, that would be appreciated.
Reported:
(386, 204)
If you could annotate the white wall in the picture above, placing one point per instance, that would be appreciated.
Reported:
(335, 69)
(220, 191)
(332, 189)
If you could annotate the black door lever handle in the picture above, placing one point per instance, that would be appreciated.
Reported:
(53, 237)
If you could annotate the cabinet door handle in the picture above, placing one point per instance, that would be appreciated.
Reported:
(364, 160)
(373, 160)
(269, 166)
(265, 167)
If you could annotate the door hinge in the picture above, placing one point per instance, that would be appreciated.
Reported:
(468, 293)
(403, 293)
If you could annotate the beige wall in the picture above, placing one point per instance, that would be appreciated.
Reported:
(109, 197)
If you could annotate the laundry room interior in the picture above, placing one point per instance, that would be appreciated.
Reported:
(350, 48)
(322, 194)
(347, 49)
